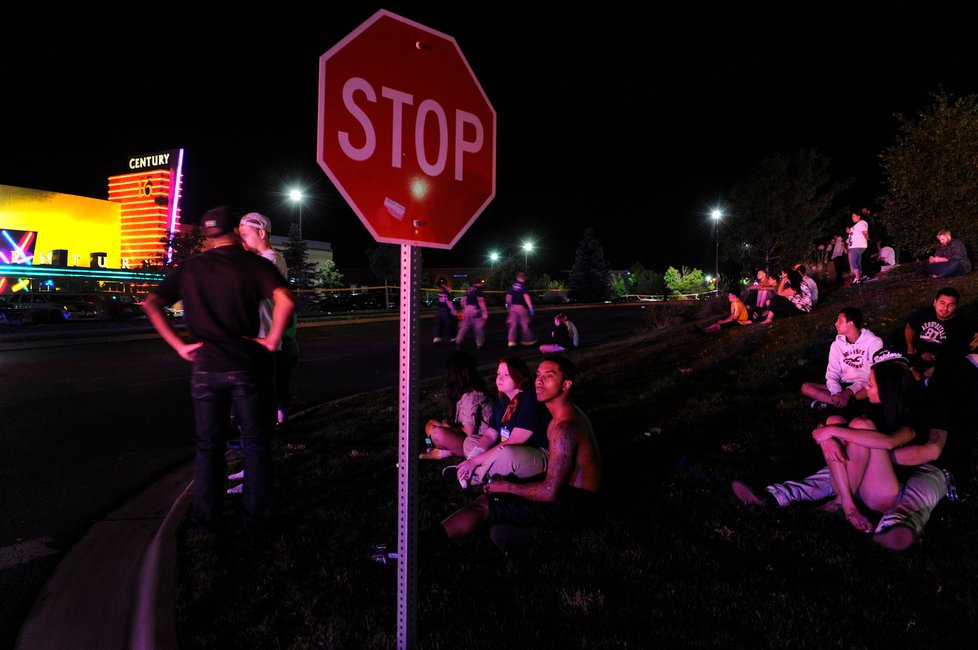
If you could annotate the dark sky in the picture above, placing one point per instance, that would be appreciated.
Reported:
(635, 125)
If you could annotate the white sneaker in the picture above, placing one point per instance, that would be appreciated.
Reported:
(236, 489)
(237, 476)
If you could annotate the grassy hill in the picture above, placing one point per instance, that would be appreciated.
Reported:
(678, 561)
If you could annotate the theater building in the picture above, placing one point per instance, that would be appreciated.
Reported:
(53, 242)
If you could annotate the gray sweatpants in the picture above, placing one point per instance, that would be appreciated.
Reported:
(918, 497)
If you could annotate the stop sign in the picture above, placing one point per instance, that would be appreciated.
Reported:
(406, 132)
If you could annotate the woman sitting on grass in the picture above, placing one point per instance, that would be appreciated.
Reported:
(516, 444)
(793, 297)
(858, 454)
(563, 336)
(466, 392)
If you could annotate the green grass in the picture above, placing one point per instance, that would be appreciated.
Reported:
(678, 561)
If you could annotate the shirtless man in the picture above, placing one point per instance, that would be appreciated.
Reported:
(568, 494)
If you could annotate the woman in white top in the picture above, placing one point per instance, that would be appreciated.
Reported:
(858, 241)
(466, 391)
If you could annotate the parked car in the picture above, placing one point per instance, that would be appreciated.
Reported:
(112, 306)
(50, 307)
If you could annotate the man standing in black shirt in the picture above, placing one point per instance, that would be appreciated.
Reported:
(222, 289)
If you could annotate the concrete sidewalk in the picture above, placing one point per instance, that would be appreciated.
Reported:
(115, 588)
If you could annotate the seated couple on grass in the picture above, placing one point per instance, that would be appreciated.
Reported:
(865, 455)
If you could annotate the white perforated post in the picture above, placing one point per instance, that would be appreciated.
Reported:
(408, 449)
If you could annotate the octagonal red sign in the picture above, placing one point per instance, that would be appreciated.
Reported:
(406, 132)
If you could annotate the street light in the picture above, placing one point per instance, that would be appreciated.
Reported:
(527, 249)
(296, 197)
(717, 214)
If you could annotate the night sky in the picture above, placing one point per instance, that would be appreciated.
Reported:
(623, 122)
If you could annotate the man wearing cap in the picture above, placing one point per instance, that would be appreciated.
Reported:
(474, 315)
(255, 231)
(222, 289)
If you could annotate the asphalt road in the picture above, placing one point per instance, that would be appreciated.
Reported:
(88, 422)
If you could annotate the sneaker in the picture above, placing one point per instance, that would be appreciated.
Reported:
(529, 343)
(896, 538)
(511, 344)
(818, 405)
(237, 476)
(746, 493)
(236, 489)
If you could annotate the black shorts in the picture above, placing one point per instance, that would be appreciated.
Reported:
(573, 507)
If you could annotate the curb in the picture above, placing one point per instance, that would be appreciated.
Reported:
(154, 619)
(101, 589)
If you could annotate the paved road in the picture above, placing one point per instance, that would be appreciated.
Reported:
(87, 422)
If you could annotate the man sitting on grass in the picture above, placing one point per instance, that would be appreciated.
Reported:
(568, 495)
(949, 259)
(850, 357)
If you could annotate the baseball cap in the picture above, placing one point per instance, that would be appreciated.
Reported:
(887, 355)
(258, 221)
(217, 222)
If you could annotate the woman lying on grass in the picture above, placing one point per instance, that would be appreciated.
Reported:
(858, 453)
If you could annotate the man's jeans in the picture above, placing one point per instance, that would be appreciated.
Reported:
(213, 394)
(918, 498)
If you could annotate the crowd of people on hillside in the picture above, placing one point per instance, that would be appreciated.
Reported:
(899, 417)
(897, 413)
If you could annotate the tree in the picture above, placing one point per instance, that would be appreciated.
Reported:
(385, 264)
(328, 276)
(182, 244)
(685, 282)
(619, 285)
(931, 174)
(590, 278)
(781, 207)
(296, 256)
(645, 281)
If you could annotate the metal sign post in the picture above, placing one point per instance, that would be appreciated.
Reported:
(408, 448)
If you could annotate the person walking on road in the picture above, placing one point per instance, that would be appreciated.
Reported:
(222, 289)
(520, 308)
(445, 313)
(474, 315)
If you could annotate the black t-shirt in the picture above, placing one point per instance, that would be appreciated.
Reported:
(221, 290)
(935, 335)
(530, 414)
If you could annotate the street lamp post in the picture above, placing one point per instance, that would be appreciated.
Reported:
(717, 214)
(296, 197)
(527, 249)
